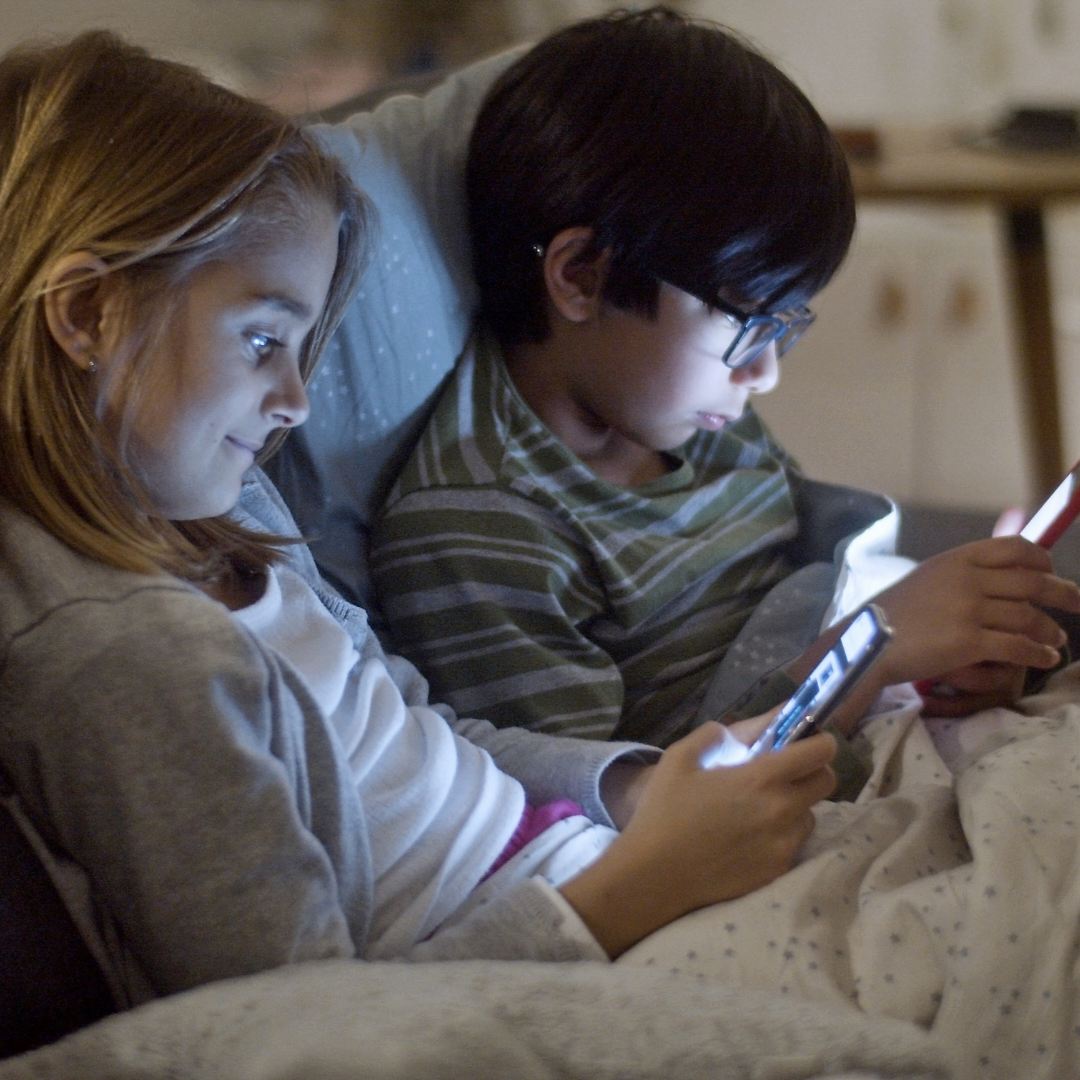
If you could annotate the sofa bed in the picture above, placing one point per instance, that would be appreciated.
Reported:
(352, 1020)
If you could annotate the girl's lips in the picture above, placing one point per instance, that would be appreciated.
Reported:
(251, 448)
(712, 421)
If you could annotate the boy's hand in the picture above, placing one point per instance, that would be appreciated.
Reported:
(971, 689)
(986, 685)
(973, 604)
(701, 836)
(959, 609)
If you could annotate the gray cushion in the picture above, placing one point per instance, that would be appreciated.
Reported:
(404, 329)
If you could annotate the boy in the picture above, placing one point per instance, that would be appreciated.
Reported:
(593, 513)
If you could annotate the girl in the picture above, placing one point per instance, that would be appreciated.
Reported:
(222, 763)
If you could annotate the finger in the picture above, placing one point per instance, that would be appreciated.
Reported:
(700, 739)
(747, 731)
(1018, 649)
(799, 759)
(1018, 583)
(1012, 617)
(689, 751)
(1061, 593)
(1003, 551)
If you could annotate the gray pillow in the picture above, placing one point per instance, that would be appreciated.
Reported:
(404, 329)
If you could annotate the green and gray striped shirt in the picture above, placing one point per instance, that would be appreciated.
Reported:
(531, 592)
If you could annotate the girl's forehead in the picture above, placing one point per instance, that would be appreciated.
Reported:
(290, 277)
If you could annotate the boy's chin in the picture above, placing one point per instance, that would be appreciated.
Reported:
(676, 442)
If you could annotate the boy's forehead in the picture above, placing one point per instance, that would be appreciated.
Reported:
(745, 305)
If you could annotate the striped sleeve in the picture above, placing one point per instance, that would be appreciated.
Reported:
(484, 591)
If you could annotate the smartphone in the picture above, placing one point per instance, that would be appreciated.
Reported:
(820, 694)
(1057, 513)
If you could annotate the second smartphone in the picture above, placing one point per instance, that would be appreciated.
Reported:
(818, 697)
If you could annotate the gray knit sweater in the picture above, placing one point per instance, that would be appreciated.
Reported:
(197, 811)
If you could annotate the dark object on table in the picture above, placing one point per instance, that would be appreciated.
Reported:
(860, 144)
(1030, 129)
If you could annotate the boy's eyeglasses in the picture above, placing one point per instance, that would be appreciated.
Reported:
(757, 332)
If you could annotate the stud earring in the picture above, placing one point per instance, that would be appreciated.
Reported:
(92, 366)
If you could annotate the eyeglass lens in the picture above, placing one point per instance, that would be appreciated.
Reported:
(792, 332)
(760, 331)
(753, 340)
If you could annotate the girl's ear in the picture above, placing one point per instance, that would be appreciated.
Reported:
(75, 307)
(575, 281)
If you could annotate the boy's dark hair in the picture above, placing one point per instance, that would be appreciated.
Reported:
(693, 159)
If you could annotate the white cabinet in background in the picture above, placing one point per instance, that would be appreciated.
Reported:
(1063, 244)
(906, 384)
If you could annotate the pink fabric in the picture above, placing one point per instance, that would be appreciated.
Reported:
(534, 821)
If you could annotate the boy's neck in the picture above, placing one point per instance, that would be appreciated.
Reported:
(545, 375)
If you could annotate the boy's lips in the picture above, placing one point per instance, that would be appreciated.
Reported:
(713, 421)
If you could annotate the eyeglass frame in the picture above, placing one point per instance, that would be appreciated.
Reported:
(789, 325)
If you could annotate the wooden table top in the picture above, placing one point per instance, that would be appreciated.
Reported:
(934, 164)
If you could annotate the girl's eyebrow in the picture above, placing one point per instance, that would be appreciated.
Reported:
(285, 303)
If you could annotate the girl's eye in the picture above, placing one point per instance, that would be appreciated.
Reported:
(262, 344)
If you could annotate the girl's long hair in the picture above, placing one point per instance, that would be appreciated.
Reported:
(158, 172)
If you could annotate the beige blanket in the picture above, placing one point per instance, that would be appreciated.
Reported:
(950, 902)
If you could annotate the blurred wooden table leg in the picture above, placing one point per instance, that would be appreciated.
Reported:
(1029, 282)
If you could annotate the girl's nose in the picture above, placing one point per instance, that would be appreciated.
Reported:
(287, 403)
(761, 374)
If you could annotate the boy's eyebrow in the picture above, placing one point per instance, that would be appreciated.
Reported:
(285, 303)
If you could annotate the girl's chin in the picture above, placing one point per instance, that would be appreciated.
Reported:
(210, 502)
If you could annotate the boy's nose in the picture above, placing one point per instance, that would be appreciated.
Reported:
(761, 374)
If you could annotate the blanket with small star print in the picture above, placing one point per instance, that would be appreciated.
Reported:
(947, 895)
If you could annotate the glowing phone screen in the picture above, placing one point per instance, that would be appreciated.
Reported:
(1056, 514)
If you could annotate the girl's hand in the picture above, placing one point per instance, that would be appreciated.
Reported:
(621, 787)
(973, 604)
(624, 782)
(701, 836)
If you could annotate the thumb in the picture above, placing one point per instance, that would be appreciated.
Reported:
(1010, 521)
(707, 746)
(699, 740)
